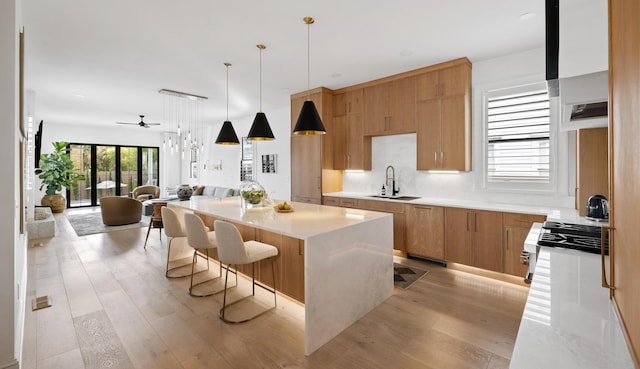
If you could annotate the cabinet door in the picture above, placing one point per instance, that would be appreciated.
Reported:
(427, 86)
(376, 109)
(458, 235)
(454, 81)
(425, 231)
(330, 201)
(487, 240)
(340, 142)
(306, 167)
(428, 134)
(358, 151)
(455, 136)
(292, 268)
(402, 106)
(353, 101)
(340, 104)
(592, 169)
(513, 245)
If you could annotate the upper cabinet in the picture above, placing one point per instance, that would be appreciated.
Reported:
(389, 107)
(443, 115)
(351, 149)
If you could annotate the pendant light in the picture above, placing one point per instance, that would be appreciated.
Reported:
(309, 122)
(260, 129)
(227, 135)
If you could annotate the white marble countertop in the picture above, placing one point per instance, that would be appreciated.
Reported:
(569, 320)
(305, 221)
(568, 215)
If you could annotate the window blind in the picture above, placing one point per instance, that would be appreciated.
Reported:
(518, 136)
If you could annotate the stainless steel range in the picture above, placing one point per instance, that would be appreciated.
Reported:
(579, 237)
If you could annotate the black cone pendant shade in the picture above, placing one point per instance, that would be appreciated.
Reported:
(309, 122)
(260, 129)
(227, 135)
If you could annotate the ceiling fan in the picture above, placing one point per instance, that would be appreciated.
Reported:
(141, 123)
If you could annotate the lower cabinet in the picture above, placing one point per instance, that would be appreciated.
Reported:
(289, 264)
(397, 209)
(474, 237)
(425, 231)
(515, 231)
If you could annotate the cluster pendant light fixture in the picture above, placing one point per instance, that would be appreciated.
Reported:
(260, 129)
(309, 122)
(183, 122)
(227, 135)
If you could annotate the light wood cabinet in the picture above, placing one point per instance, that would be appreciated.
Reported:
(344, 202)
(352, 150)
(443, 119)
(389, 107)
(592, 167)
(515, 231)
(289, 264)
(474, 237)
(452, 81)
(624, 104)
(397, 209)
(425, 231)
(312, 156)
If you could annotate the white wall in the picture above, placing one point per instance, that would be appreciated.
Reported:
(400, 150)
(278, 184)
(13, 247)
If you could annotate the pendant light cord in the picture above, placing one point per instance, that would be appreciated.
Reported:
(308, 61)
(261, 47)
(227, 65)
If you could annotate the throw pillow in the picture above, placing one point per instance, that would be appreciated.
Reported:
(209, 191)
(198, 191)
(222, 192)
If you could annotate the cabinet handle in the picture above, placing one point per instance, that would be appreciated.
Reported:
(319, 183)
(348, 161)
(467, 222)
(603, 239)
(349, 110)
(475, 222)
(423, 207)
(442, 158)
(435, 158)
(507, 239)
(300, 248)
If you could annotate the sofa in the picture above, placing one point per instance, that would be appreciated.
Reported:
(199, 192)
(117, 210)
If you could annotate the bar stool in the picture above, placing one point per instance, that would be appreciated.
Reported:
(199, 237)
(232, 250)
(156, 220)
(174, 230)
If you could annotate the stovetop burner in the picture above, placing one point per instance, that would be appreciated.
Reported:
(572, 241)
(575, 229)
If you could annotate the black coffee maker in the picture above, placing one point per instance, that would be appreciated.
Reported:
(597, 208)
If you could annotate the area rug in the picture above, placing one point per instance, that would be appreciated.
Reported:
(404, 276)
(91, 223)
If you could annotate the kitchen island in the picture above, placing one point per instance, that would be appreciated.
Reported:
(348, 257)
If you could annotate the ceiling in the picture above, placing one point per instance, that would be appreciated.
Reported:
(97, 62)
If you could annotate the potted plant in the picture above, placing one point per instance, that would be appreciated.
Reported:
(56, 171)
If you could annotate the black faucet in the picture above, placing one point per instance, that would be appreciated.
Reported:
(394, 191)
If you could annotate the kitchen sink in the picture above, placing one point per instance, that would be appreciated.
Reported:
(402, 198)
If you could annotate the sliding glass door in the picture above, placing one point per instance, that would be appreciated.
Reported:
(111, 170)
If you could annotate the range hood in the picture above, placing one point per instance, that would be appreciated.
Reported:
(582, 99)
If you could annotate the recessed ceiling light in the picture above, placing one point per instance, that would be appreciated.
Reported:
(336, 75)
(80, 96)
(406, 52)
(527, 16)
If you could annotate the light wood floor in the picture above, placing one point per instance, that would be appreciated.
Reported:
(112, 303)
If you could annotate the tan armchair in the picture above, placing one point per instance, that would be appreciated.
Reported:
(118, 210)
(142, 193)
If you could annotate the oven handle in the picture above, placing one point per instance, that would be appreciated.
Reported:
(603, 240)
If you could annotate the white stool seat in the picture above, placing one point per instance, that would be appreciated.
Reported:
(232, 250)
(199, 238)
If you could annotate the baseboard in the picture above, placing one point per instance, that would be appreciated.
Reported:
(11, 365)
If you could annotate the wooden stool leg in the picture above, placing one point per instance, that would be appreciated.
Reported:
(148, 230)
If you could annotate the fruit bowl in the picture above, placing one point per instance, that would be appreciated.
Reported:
(275, 207)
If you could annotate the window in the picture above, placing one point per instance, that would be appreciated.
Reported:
(246, 161)
(518, 135)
